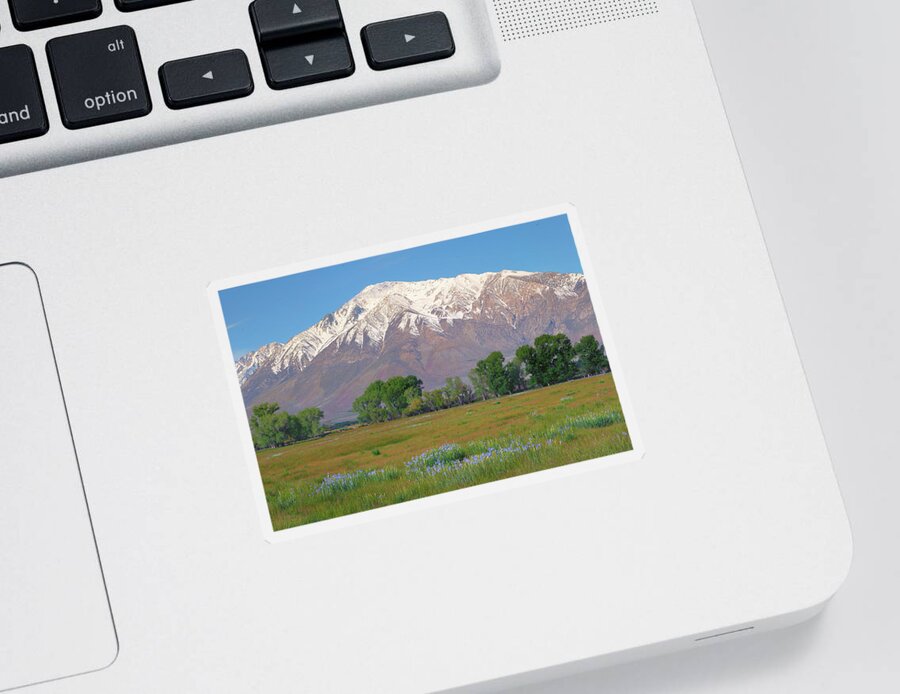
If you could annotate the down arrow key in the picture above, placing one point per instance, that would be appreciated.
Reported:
(297, 64)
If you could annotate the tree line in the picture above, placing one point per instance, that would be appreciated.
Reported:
(270, 426)
(549, 360)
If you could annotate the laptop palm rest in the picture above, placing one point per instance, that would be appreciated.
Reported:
(55, 618)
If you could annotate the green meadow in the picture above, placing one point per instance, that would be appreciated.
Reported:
(368, 466)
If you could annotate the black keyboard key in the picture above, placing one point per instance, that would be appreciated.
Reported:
(22, 111)
(99, 77)
(408, 40)
(284, 19)
(206, 79)
(37, 14)
(131, 5)
(297, 64)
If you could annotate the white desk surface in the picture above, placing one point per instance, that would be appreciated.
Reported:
(811, 92)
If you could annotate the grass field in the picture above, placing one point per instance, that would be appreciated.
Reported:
(365, 467)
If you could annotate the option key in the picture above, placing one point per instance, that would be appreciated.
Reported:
(99, 77)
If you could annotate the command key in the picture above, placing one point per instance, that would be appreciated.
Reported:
(22, 111)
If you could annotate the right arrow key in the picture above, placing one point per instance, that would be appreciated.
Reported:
(408, 40)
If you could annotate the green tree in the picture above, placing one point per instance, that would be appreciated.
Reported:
(385, 400)
(558, 354)
(435, 399)
(551, 359)
(369, 407)
(515, 377)
(265, 408)
(269, 426)
(494, 374)
(457, 392)
(260, 423)
(527, 356)
(480, 388)
(427, 401)
(309, 423)
(417, 405)
(397, 393)
(591, 356)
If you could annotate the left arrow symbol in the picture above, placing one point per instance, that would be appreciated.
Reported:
(208, 75)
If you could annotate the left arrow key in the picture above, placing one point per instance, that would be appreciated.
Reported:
(206, 79)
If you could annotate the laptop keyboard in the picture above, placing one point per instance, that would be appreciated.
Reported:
(105, 75)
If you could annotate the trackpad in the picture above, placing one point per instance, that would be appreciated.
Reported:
(55, 619)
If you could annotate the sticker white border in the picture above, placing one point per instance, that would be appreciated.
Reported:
(412, 506)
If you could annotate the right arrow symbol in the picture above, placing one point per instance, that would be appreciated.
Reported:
(408, 37)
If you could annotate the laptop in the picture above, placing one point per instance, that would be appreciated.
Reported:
(386, 347)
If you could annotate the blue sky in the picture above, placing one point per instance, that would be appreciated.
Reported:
(275, 310)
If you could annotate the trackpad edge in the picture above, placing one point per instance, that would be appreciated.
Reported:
(55, 618)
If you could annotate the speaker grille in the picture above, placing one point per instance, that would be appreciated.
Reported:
(521, 19)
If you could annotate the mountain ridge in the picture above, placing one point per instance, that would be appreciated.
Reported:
(433, 328)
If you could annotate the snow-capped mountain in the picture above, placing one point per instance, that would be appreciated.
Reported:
(433, 329)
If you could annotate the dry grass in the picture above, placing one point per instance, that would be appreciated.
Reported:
(292, 474)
